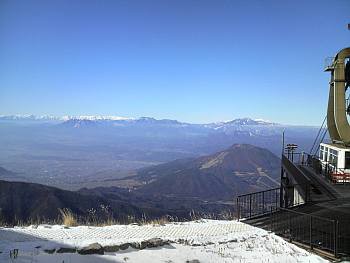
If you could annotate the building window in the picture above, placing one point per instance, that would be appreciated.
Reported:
(321, 154)
(347, 160)
(333, 158)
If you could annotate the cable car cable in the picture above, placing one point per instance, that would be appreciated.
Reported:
(318, 134)
(323, 136)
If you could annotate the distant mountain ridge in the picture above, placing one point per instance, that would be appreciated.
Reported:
(9, 175)
(122, 145)
(242, 121)
(31, 117)
(101, 118)
(236, 170)
(77, 122)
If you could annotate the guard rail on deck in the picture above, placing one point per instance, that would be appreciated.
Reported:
(269, 210)
(314, 231)
(258, 203)
(332, 174)
(262, 203)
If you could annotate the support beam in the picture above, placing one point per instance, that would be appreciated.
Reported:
(338, 126)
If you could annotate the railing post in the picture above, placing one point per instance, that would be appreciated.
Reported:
(238, 209)
(271, 229)
(311, 246)
(276, 198)
(263, 201)
(335, 238)
(250, 206)
(281, 192)
(290, 227)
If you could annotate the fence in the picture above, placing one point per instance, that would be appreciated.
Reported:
(258, 203)
(314, 231)
(334, 174)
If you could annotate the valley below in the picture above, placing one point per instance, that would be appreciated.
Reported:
(76, 153)
(182, 189)
(138, 168)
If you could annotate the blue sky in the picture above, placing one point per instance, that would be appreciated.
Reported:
(195, 61)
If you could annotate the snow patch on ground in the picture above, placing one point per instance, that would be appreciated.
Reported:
(204, 241)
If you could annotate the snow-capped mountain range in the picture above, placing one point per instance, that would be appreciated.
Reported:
(111, 118)
(63, 118)
(246, 127)
(116, 143)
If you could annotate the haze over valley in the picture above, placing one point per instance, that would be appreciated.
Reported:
(206, 185)
(89, 151)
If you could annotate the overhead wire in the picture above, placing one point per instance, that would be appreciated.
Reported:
(323, 136)
(318, 134)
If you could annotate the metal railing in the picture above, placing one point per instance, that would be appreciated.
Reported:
(313, 231)
(333, 174)
(258, 203)
(310, 230)
(339, 177)
(264, 208)
(263, 202)
(274, 209)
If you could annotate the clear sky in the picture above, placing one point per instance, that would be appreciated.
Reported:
(194, 61)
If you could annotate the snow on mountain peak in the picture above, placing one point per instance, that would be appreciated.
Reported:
(64, 118)
(28, 117)
(216, 125)
(95, 118)
(249, 121)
